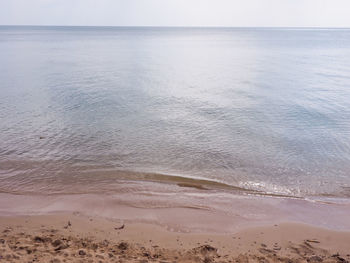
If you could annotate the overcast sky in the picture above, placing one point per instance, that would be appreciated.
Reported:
(323, 13)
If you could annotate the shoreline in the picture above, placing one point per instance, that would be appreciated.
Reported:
(183, 208)
(110, 181)
(168, 225)
(74, 237)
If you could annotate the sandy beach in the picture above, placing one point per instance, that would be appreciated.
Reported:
(106, 228)
(79, 238)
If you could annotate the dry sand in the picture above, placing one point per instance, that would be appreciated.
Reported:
(78, 238)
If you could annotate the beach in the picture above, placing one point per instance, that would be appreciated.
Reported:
(78, 238)
(95, 228)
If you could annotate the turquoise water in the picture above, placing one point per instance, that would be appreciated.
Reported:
(260, 109)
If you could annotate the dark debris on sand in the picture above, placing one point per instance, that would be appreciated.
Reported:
(55, 248)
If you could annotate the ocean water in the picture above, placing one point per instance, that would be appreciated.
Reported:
(101, 109)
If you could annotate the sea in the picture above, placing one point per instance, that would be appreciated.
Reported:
(255, 111)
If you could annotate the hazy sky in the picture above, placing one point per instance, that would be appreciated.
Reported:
(326, 13)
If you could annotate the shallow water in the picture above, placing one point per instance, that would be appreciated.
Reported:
(258, 109)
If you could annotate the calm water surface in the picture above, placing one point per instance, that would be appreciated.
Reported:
(88, 108)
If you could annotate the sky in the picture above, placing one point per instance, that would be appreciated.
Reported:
(230, 13)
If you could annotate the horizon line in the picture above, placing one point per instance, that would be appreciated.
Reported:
(178, 26)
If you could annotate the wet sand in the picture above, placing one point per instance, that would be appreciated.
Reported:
(78, 238)
(184, 209)
(195, 225)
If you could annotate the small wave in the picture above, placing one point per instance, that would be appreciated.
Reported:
(103, 181)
